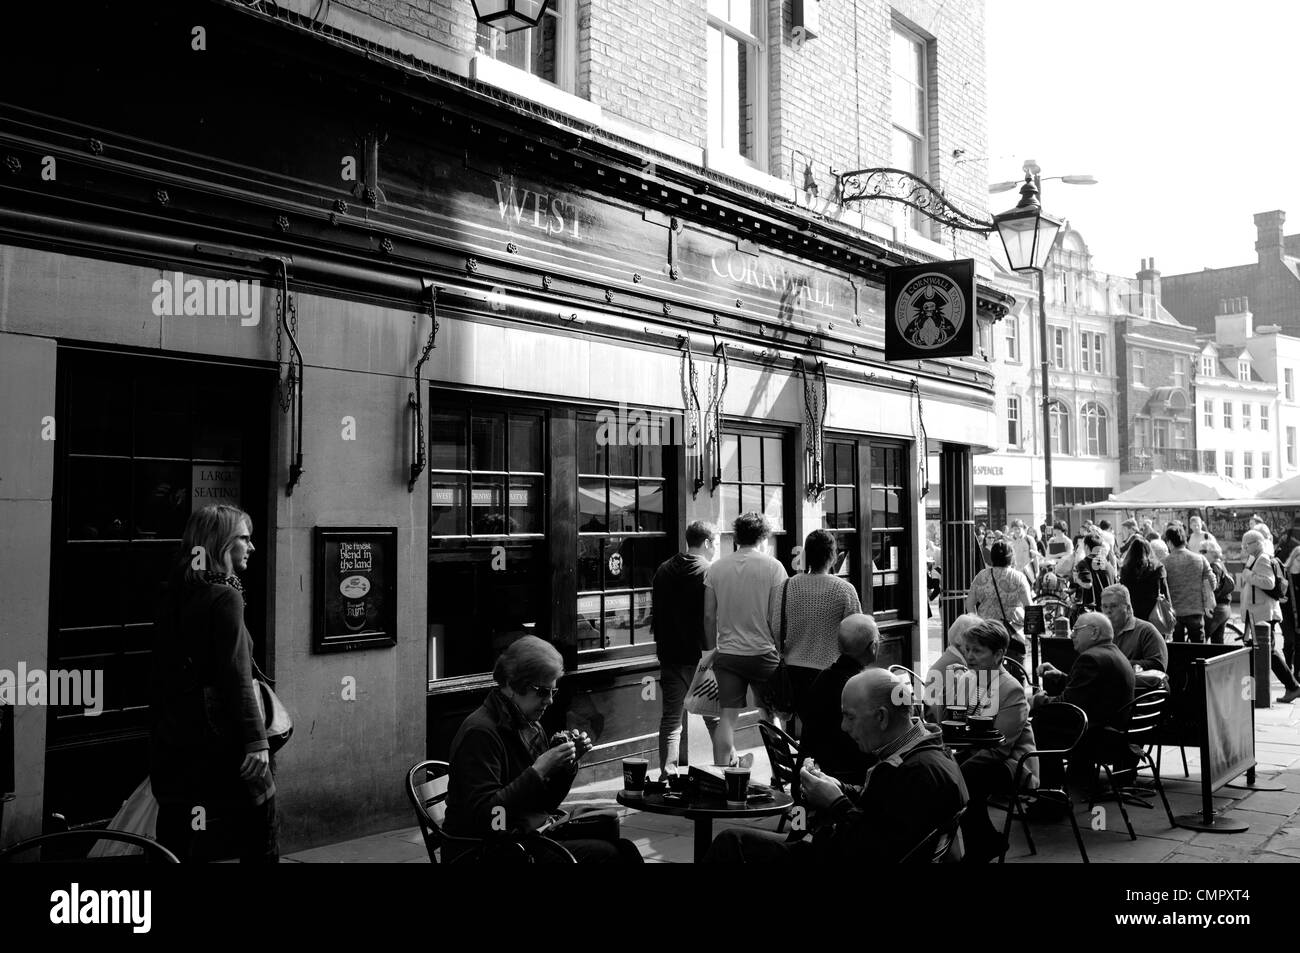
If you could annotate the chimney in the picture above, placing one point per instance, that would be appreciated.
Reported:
(1232, 325)
(1268, 235)
(1149, 284)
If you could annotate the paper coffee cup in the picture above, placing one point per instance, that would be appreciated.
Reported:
(737, 786)
(634, 775)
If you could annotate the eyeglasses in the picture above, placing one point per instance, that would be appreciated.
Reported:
(547, 693)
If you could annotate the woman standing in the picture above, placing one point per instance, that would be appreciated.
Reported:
(1144, 577)
(1000, 593)
(1255, 580)
(208, 745)
(808, 608)
(1223, 589)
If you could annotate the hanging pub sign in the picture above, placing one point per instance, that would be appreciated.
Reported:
(930, 311)
(356, 588)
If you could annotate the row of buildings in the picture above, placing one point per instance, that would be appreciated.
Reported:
(1190, 373)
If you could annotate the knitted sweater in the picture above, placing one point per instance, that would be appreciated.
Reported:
(1191, 584)
(818, 603)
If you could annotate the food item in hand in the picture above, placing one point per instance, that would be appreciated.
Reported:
(581, 740)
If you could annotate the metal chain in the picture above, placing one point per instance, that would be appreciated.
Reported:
(279, 346)
(417, 398)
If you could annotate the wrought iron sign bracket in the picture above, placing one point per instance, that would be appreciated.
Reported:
(367, 188)
(897, 185)
(286, 322)
(415, 400)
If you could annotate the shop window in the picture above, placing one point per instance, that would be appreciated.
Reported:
(622, 537)
(486, 473)
(753, 480)
(840, 507)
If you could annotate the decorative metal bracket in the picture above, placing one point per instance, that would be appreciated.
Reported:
(692, 417)
(719, 375)
(367, 189)
(415, 400)
(815, 393)
(287, 322)
(897, 185)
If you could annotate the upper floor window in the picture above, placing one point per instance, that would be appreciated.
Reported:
(1139, 366)
(1227, 463)
(1263, 417)
(1013, 422)
(1060, 420)
(909, 108)
(1266, 465)
(1208, 407)
(1207, 366)
(1180, 372)
(1227, 415)
(1288, 383)
(548, 51)
(737, 63)
(1248, 465)
(986, 340)
(1243, 370)
(1290, 446)
(1011, 325)
(1095, 426)
(1058, 348)
(1090, 350)
(1245, 416)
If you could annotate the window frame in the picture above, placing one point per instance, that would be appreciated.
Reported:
(1265, 419)
(1228, 464)
(1247, 464)
(1060, 347)
(1227, 416)
(1012, 338)
(1179, 374)
(1207, 408)
(565, 13)
(759, 90)
(1266, 465)
(1060, 423)
(921, 138)
(1207, 366)
(1015, 434)
(1288, 383)
(1290, 446)
(1138, 363)
(1243, 371)
(1095, 431)
(1247, 416)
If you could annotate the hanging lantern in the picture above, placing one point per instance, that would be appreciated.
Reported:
(510, 15)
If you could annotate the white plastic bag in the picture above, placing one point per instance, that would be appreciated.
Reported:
(702, 696)
(139, 815)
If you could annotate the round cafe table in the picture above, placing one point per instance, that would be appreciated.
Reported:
(703, 810)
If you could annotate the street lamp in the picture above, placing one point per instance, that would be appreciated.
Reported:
(509, 15)
(1028, 236)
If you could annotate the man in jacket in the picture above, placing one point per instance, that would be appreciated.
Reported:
(1191, 586)
(913, 789)
(678, 626)
(1136, 638)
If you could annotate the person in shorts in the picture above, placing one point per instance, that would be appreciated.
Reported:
(742, 648)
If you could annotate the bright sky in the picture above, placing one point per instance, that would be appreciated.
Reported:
(1184, 111)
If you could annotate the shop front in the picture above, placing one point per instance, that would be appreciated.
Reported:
(482, 391)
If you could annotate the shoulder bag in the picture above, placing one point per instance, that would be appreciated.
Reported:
(779, 692)
(1162, 614)
(1017, 641)
(276, 718)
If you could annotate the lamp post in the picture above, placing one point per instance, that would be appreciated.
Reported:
(1028, 236)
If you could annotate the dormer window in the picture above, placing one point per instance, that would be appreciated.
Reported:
(1243, 370)
(1207, 366)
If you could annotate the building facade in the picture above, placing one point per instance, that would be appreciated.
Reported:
(484, 320)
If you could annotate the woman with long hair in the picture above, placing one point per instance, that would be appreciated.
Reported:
(209, 756)
(1143, 576)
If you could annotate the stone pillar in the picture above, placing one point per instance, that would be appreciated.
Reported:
(959, 560)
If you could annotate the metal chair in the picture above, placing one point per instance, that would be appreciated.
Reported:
(1143, 716)
(1059, 729)
(62, 842)
(936, 844)
(917, 684)
(1016, 670)
(786, 760)
(426, 788)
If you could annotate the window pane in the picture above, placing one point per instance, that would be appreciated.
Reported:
(774, 507)
(622, 460)
(147, 569)
(907, 152)
(730, 500)
(591, 453)
(618, 562)
(591, 506)
(844, 474)
(217, 434)
(751, 460)
(751, 499)
(102, 423)
(526, 442)
(487, 507)
(650, 507)
(718, 8)
(840, 512)
(622, 506)
(641, 618)
(652, 456)
(618, 620)
(162, 418)
(878, 468)
(162, 499)
(742, 15)
(647, 552)
(846, 547)
(446, 508)
(544, 43)
(488, 442)
(731, 81)
(447, 441)
(730, 459)
(590, 563)
(526, 505)
(773, 471)
(589, 616)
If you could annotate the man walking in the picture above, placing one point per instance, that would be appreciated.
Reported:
(678, 625)
(1191, 586)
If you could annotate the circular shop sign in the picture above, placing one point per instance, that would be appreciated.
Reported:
(616, 564)
(930, 311)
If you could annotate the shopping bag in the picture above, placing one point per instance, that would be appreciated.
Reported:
(702, 696)
(138, 815)
(1162, 615)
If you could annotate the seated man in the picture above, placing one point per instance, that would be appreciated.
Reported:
(913, 789)
(1138, 639)
(822, 740)
(1100, 682)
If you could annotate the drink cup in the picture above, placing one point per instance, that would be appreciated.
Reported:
(737, 782)
(634, 775)
(354, 590)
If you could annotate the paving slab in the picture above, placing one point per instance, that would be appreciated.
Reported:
(375, 849)
(1225, 853)
(1272, 802)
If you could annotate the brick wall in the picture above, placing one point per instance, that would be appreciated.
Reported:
(1159, 364)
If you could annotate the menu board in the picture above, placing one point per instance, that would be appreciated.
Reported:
(355, 588)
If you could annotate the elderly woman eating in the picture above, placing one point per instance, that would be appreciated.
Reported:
(505, 773)
(992, 692)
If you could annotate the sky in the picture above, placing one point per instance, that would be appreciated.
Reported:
(1181, 110)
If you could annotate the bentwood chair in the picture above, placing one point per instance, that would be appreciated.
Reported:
(1016, 671)
(1142, 717)
(916, 683)
(426, 788)
(1059, 729)
(786, 760)
(935, 845)
(72, 847)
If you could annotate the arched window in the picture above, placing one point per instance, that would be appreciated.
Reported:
(1060, 418)
(1096, 426)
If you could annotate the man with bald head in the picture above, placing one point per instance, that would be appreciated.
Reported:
(822, 740)
(913, 788)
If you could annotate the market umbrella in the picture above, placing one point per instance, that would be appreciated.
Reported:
(1169, 489)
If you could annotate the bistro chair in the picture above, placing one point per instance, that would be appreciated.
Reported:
(1143, 716)
(786, 760)
(1016, 671)
(72, 847)
(1059, 729)
(916, 683)
(426, 788)
(935, 845)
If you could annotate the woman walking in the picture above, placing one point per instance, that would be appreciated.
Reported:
(1224, 587)
(1143, 576)
(1000, 593)
(208, 747)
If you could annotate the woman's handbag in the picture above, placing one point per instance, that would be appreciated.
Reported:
(702, 696)
(276, 718)
(1162, 615)
(778, 693)
(1016, 642)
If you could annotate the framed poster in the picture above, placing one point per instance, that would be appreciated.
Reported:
(355, 603)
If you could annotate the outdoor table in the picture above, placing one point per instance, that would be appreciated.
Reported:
(967, 744)
(702, 810)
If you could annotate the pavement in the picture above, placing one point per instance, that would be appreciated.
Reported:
(1273, 816)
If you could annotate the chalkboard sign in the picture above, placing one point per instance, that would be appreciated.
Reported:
(356, 588)
(1034, 620)
(1230, 737)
